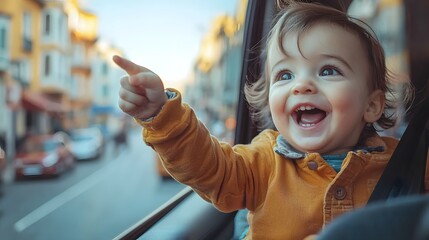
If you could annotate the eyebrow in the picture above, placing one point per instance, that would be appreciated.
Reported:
(340, 59)
(275, 66)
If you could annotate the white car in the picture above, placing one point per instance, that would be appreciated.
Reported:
(86, 143)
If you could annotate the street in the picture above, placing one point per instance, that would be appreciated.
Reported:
(98, 199)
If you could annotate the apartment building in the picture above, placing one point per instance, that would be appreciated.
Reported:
(19, 28)
(47, 58)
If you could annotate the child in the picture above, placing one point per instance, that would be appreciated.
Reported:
(324, 87)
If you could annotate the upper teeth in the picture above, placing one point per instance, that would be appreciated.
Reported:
(303, 108)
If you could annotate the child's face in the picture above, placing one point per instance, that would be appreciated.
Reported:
(318, 94)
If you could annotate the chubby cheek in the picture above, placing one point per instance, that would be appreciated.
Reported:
(277, 102)
(348, 103)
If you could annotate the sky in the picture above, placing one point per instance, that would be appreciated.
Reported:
(162, 35)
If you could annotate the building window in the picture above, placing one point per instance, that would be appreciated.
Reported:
(105, 90)
(26, 29)
(47, 24)
(3, 38)
(21, 71)
(104, 69)
(27, 43)
(47, 65)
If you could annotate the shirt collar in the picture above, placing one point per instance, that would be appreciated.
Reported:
(284, 149)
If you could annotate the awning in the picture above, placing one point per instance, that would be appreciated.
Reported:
(34, 101)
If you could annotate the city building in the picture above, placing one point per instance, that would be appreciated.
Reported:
(213, 91)
(50, 63)
(83, 36)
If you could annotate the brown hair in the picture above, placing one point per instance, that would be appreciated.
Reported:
(299, 17)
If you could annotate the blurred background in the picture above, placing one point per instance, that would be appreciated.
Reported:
(72, 166)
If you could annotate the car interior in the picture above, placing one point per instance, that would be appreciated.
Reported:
(187, 216)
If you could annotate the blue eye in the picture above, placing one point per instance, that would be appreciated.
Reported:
(286, 75)
(329, 71)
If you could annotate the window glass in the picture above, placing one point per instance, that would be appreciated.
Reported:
(26, 25)
(47, 65)
(68, 82)
(214, 85)
(47, 24)
(105, 91)
(387, 19)
(2, 38)
(4, 35)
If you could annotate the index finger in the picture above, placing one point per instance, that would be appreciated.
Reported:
(128, 66)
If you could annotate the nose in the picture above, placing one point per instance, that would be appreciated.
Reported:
(304, 87)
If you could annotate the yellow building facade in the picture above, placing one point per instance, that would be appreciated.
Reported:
(38, 39)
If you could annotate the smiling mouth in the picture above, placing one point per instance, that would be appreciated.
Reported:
(308, 116)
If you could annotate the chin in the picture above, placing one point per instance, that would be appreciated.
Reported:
(313, 150)
(308, 146)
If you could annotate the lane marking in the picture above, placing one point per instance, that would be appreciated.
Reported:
(62, 198)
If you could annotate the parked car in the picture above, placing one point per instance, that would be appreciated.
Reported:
(43, 155)
(104, 131)
(86, 143)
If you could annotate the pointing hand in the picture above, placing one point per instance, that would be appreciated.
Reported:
(142, 91)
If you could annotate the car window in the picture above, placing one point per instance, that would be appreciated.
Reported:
(34, 146)
(75, 137)
(80, 137)
(57, 76)
(50, 145)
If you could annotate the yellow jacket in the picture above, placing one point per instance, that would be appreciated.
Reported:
(287, 199)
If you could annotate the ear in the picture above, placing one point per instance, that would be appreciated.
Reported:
(375, 107)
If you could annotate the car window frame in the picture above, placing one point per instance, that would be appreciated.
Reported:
(252, 67)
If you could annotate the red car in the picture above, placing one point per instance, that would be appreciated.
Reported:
(43, 155)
